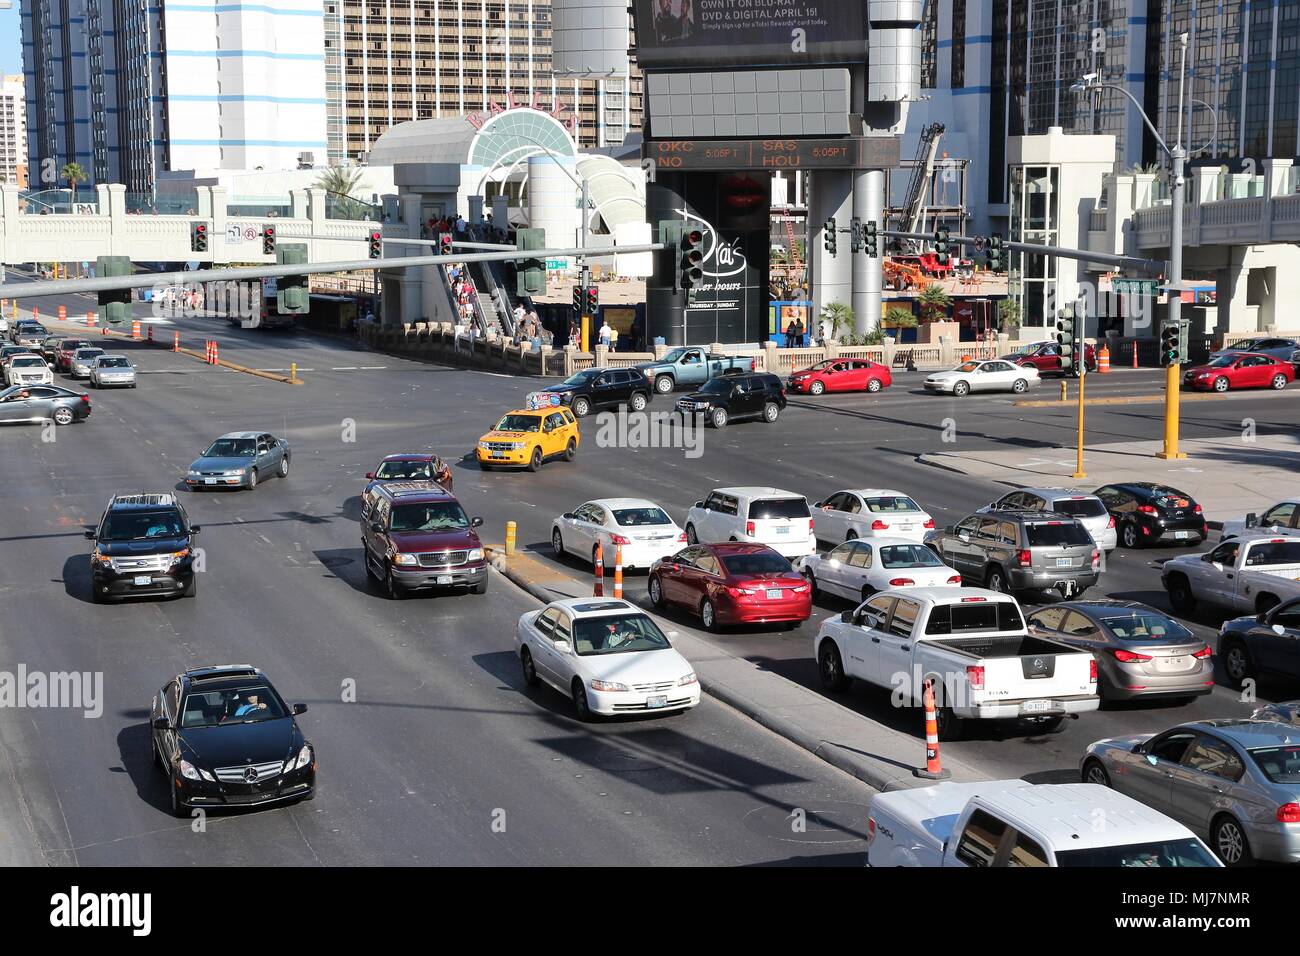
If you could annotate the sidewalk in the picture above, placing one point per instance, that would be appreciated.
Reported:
(1228, 477)
(878, 756)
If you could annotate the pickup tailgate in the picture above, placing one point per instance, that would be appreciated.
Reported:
(1057, 670)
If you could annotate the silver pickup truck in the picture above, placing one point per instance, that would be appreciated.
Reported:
(691, 366)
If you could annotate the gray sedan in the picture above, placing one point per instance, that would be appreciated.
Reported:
(239, 460)
(1263, 645)
(1140, 652)
(43, 403)
(112, 370)
(1277, 348)
(1235, 783)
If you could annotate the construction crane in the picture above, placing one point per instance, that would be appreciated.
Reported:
(913, 210)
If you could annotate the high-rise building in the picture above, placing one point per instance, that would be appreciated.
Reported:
(388, 61)
(129, 90)
(13, 131)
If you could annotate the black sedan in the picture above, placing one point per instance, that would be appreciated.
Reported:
(1267, 644)
(1149, 513)
(43, 403)
(225, 738)
(595, 388)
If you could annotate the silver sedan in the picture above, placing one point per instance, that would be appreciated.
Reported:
(112, 370)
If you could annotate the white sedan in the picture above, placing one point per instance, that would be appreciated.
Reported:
(112, 370)
(868, 513)
(608, 656)
(858, 569)
(641, 527)
(995, 375)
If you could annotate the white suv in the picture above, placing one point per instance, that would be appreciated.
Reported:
(779, 519)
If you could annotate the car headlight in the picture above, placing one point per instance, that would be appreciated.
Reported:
(483, 445)
(189, 771)
(181, 555)
(607, 685)
(519, 445)
(475, 554)
(234, 472)
(192, 473)
(304, 758)
(688, 680)
(406, 560)
(99, 557)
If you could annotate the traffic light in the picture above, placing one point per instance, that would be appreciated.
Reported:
(115, 304)
(292, 294)
(593, 299)
(579, 297)
(855, 235)
(530, 273)
(692, 260)
(873, 247)
(995, 252)
(1171, 350)
(444, 244)
(268, 240)
(1065, 332)
(198, 237)
(829, 237)
(376, 244)
(941, 246)
(668, 264)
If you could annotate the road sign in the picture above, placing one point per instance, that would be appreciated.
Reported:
(1134, 286)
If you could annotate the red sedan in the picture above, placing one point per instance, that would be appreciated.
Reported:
(1046, 357)
(1240, 370)
(841, 375)
(732, 583)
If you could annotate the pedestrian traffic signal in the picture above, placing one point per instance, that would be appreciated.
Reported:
(873, 246)
(376, 244)
(941, 246)
(1065, 334)
(1171, 351)
(692, 260)
(829, 236)
(530, 272)
(199, 237)
(292, 294)
(593, 299)
(995, 252)
(114, 304)
(268, 240)
(444, 244)
(855, 235)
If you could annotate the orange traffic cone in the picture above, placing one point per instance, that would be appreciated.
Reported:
(1103, 359)
(135, 329)
(176, 341)
(933, 768)
(90, 320)
(599, 589)
(618, 571)
(63, 313)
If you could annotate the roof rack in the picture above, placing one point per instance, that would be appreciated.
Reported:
(214, 671)
(150, 498)
(398, 489)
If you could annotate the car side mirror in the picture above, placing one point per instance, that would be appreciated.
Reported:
(847, 617)
(376, 527)
(1138, 748)
(699, 504)
(299, 709)
(476, 522)
(567, 514)
(1279, 630)
(1206, 557)
(90, 536)
(195, 528)
(947, 529)
(562, 647)
(1252, 520)
(370, 476)
(162, 723)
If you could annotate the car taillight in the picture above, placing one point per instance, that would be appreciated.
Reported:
(1096, 557)
(810, 525)
(1203, 653)
(737, 592)
(871, 829)
(1128, 657)
(955, 579)
(1111, 522)
(681, 538)
(1025, 558)
(1092, 671)
(1197, 509)
(85, 399)
(901, 582)
(1288, 813)
(619, 539)
(879, 525)
(975, 676)
(749, 528)
(1147, 509)
(929, 525)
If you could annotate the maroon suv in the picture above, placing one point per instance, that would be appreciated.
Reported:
(415, 535)
(1046, 357)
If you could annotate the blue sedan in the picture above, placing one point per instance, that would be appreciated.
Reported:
(239, 460)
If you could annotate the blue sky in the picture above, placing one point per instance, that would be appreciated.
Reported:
(11, 49)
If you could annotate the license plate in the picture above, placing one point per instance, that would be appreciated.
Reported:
(774, 594)
(1182, 534)
(1035, 706)
(782, 530)
(1064, 562)
(445, 579)
(653, 703)
(209, 481)
(1173, 664)
(495, 455)
(143, 580)
(904, 527)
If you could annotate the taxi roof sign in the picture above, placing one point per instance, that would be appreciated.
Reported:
(537, 401)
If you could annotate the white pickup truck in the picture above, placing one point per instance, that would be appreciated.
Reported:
(1251, 573)
(1013, 823)
(971, 643)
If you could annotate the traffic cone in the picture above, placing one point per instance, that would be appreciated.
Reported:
(90, 320)
(618, 571)
(599, 589)
(216, 353)
(1103, 360)
(135, 329)
(1135, 353)
(63, 313)
(176, 341)
(933, 768)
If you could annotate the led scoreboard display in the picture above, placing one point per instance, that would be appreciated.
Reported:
(773, 154)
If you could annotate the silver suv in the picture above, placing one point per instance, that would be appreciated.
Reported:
(1012, 551)
(1088, 510)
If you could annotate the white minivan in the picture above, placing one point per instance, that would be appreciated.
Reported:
(779, 519)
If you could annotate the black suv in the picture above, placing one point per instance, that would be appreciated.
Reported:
(225, 738)
(596, 388)
(144, 547)
(736, 395)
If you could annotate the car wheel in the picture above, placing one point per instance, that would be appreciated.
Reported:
(191, 589)
(1019, 386)
(996, 580)
(529, 668)
(1129, 537)
(1228, 840)
(690, 535)
(62, 416)
(1094, 772)
(252, 478)
(1221, 384)
(949, 725)
(656, 592)
(873, 385)
(961, 389)
(580, 703)
(639, 402)
(1279, 381)
(571, 450)
(830, 668)
(480, 588)
(365, 559)
(719, 418)
(177, 808)
(557, 543)
(391, 587)
(1237, 664)
(283, 470)
(867, 591)
(581, 407)
(484, 466)
(1265, 603)
(771, 412)
(664, 384)
(535, 462)
(816, 388)
(851, 536)
(153, 753)
(708, 616)
(1181, 598)
(812, 581)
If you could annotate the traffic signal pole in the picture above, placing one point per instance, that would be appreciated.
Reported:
(1173, 371)
(1078, 464)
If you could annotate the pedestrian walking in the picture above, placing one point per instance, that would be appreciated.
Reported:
(604, 334)
(613, 339)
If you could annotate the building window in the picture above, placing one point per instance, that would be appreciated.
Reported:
(958, 63)
(930, 45)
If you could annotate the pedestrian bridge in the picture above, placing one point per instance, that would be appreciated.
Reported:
(112, 231)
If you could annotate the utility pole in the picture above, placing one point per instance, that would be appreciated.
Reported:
(585, 281)
(1178, 160)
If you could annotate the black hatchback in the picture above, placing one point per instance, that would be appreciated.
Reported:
(736, 395)
(1149, 513)
(595, 388)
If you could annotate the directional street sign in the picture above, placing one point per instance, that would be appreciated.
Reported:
(1134, 286)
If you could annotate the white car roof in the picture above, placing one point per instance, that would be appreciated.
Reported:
(949, 595)
(595, 606)
(871, 493)
(1068, 814)
(756, 491)
(1251, 535)
(1053, 492)
(619, 503)
(881, 541)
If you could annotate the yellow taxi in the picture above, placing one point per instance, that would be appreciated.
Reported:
(526, 437)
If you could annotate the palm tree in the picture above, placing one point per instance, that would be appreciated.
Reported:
(341, 182)
(934, 299)
(74, 174)
(840, 316)
(899, 318)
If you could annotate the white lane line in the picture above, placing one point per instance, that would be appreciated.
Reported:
(344, 368)
(373, 368)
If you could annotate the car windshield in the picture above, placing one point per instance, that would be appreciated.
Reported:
(1279, 764)
(411, 470)
(968, 366)
(1189, 852)
(1146, 626)
(1224, 361)
(231, 448)
(770, 508)
(243, 705)
(141, 525)
(718, 386)
(759, 562)
(1079, 507)
(971, 616)
(430, 516)
(24, 361)
(672, 356)
(519, 423)
(640, 517)
(909, 556)
(617, 634)
(1047, 534)
(583, 377)
(84, 354)
(115, 361)
(887, 504)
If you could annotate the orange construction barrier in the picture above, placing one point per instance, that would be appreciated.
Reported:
(135, 329)
(1135, 353)
(216, 353)
(151, 332)
(90, 320)
(63, 313)
(1103, 359)
(599, 589)
(933, 768)
(36, 314)
(618, 571)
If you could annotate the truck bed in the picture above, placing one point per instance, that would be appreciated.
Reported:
(994, 647)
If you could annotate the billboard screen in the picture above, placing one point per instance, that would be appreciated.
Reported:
(671, 33)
